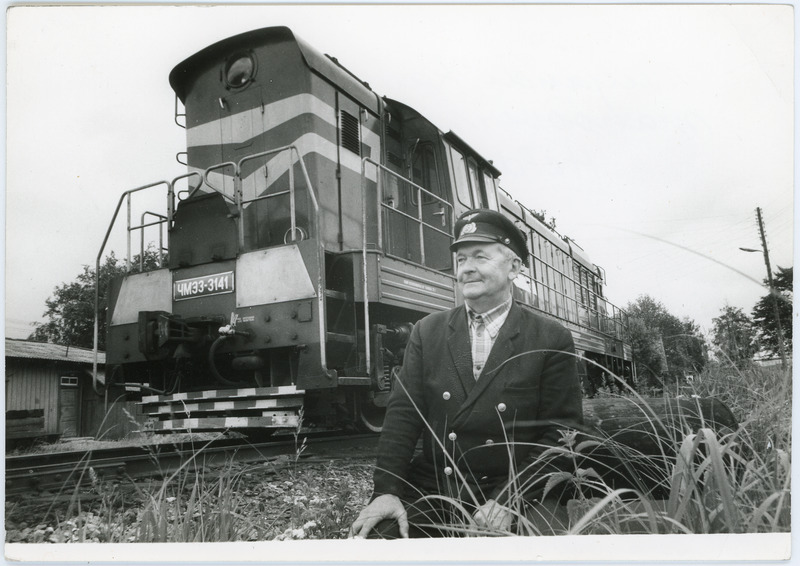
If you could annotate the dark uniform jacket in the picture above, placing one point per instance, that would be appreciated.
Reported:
(527, 392)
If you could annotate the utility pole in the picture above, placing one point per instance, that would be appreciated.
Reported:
(772, 292)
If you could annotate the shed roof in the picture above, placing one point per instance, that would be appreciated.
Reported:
(45, 351)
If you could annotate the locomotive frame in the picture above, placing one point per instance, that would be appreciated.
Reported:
(313, 232)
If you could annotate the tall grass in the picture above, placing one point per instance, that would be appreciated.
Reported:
(698, 478)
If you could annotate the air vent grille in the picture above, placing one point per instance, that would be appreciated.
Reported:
(348, 133)
(392, 133)
(394, 159)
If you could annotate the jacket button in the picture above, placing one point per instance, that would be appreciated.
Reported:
(446, 395)
(452, 436)
(501, 407)
(448, 471)
(489, 442)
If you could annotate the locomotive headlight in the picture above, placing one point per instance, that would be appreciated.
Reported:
(239, 71)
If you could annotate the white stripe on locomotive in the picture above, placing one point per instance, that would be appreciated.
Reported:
(276, 114)
(306, 144)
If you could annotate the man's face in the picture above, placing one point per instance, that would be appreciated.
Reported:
(484, 274)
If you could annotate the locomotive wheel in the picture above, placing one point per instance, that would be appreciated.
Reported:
(370, 416)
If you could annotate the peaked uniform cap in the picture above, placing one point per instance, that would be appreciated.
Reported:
(484, 225)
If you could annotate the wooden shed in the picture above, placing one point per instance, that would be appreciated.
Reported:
(49, 393)
(50, 380)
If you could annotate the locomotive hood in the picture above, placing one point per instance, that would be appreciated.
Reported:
(182, 76)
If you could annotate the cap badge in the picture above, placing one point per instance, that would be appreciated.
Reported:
(469, 217)
(468, 229)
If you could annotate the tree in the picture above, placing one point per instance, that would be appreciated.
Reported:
(651, 361)
(764, 313)
(666, 349)
(688, 349)
(70, 310)
(734, 336)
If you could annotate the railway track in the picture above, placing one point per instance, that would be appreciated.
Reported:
(63, 471)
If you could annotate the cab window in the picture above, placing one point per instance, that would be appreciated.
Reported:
(423, 169)
(460, 178)
(477, 198)
(488, 190)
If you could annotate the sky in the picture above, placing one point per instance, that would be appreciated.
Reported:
(650, 133)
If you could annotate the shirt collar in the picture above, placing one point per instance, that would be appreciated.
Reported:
(492, 319)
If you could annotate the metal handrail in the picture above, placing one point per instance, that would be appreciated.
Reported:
(306, 178)
(616, 322)
(208, 183)
(380, 204)
(422, 223)
(178, 115)
(171, 193)
(619, 325)
(126, 195)
(141, 227)
(294, 152)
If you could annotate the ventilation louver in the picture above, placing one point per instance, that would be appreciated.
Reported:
(348, 133)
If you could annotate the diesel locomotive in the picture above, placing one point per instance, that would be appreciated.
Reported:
(308, 234)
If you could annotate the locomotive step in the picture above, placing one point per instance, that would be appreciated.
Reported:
(215, 406)
(249, 393)
(218, 423)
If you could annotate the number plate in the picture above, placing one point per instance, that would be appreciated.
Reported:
(216, 284)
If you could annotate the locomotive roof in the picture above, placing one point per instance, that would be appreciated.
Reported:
(450, 136)
(456, 140)
(181, 75)
(579, 254)
(566, 245)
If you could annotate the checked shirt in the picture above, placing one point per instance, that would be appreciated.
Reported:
(483, 329)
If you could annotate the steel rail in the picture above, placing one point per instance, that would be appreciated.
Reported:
(60, 471)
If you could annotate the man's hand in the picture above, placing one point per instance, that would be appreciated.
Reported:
(494, 516)
(382, 507)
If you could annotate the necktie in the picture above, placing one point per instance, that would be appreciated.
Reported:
(480, 343)
(478, 323)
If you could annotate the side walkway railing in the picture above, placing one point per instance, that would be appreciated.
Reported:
(383, 171)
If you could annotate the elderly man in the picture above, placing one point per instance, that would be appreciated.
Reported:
(489, 385)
